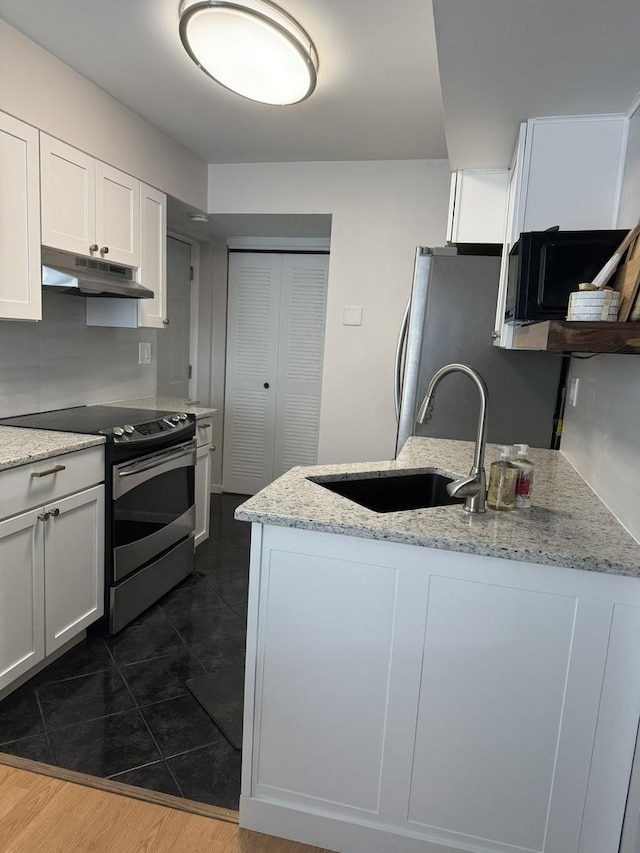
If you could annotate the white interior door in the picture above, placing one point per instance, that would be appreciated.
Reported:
(275, 339)
(173, 339)
(303, 302)
(252, 362)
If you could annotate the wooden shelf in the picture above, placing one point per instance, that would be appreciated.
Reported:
(577, 336)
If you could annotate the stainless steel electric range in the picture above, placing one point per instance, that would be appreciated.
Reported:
(150, 510)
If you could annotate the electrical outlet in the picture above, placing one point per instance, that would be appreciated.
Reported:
(144, 353)
(574, 387)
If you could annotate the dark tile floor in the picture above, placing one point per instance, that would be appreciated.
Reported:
(118, 707)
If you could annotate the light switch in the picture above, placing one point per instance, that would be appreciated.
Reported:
(352, 315)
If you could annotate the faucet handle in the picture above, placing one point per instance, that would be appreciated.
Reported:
(472, 488)
(465, 487)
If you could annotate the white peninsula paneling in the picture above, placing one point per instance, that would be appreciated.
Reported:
(345, 659)
(474, 774)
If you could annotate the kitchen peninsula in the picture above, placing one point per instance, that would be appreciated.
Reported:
(432, 681)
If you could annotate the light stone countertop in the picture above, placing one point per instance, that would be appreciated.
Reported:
(173, 404)
(567, 525)
(19, 446)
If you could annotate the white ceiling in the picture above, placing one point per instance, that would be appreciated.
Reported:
(378, 93)
(503, 61)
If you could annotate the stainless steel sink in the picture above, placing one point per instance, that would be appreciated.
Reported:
(392, 493)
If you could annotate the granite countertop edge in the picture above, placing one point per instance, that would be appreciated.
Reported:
(22, 446)
(161, 403)
(567, 525)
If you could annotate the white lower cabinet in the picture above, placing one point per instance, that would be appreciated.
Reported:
(51, 562)
(410, 699)
(74, 565)
(203, 481)
(21, 596)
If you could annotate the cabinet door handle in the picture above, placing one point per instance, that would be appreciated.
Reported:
(165, 322)
(212, 448)
(93, 247)
(266, 385)
(104, 250)
(43, 516)
(55, 512)
(55, 470)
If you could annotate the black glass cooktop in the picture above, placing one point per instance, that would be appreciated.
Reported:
(85, 419)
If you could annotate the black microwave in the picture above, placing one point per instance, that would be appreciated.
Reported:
(546, 266)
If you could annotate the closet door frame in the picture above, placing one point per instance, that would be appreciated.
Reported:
(264, 420)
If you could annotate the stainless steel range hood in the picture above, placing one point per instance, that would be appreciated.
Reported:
(66, 273)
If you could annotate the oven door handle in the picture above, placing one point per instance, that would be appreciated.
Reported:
(132, 475)
(170, 457)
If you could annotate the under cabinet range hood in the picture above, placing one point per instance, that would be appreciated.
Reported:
(66, 273)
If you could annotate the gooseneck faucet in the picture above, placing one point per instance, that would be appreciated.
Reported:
(474, 487)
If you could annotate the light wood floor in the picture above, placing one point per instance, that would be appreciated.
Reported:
(41, 814)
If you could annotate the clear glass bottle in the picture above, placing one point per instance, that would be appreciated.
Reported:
(502, 482)
(524, 481)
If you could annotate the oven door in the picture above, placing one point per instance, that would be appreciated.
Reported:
(153, 506)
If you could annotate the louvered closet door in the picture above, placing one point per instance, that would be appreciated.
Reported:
(301, 344)
(252, 356)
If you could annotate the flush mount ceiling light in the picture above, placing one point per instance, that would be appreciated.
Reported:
(251, 47)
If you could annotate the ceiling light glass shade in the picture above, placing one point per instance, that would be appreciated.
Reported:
(252, 47)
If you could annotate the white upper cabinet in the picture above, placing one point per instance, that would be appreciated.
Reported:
(20, 279)
(88, 207)
(152, 273)
(117, 215)
(572, 171)
(565, 171)
(153, 257)
(477, 206)
(68, 197)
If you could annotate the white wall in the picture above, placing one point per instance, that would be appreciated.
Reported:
(61, 362)
(381, 210)
(601, 436)
(41, 90)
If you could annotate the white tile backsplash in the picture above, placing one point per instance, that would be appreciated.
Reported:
(601, 437)
(61, 362)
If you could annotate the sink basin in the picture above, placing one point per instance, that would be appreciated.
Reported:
(393, 493)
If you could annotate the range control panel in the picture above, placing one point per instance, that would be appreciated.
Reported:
(130, 434)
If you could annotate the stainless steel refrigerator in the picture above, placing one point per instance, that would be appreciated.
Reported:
(450, 318)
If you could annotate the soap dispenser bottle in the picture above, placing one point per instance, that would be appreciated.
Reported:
(524, 481)
(502, 482)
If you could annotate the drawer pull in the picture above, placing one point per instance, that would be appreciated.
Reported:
(55, 512)
(55, 470)
(43, 516)
(204, 426)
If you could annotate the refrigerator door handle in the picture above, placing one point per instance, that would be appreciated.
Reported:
(401, 350)
(410, 361)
